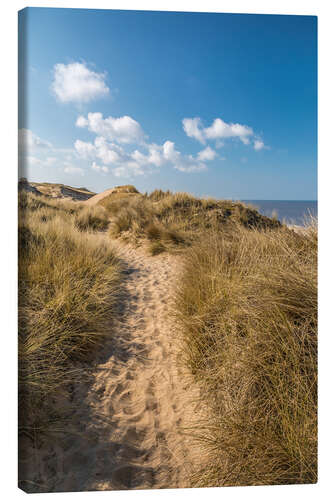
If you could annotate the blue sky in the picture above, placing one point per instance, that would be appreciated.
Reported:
(214, 104)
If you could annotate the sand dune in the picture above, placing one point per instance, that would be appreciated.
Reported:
(98, 197)
(134, 410)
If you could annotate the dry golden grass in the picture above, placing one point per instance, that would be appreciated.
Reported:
(92, 218)
(174, 219)
(156, 247)
(247, 304)
(68, 288)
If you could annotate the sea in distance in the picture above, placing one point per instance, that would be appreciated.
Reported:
(287, 211)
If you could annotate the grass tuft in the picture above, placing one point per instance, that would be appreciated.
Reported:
(92, 219)
(177, 219)
(68, 289)
(247, 305)
(156, 247)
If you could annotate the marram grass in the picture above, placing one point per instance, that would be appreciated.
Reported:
(247, 306)
(68, 289)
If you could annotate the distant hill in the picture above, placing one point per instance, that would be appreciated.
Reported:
(55, 190)
(24, 185)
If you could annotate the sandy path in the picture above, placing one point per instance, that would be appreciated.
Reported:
(133, 412)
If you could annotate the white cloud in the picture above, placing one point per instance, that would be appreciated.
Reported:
(222, 130)
(28, 141)
(129, 169)
(85, 149)
(138, 162)
(218, 130)
(124, 130)
(258, 145)
(99, 168)
(34, 151)
(113, 134)
(207, 154)
(75, 82)
(35, 161)
(170, 153)
(81, 122)
(193, 128)
(195, 167)
(72, 170)
(108, 152)
(121, 172)
(155, 156)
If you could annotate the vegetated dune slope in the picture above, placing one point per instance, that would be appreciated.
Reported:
(136, 411)
(54, 190)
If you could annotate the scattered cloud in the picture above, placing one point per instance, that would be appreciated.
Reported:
(193, 128)
(124, 130)
(129, 169)
(28, 142)
(258, 145)
(120, 147)
(189, 168)
(75, 82)
(72, 170)
(99, 168)
(107, 152)
(85, 149)
(219, 131)
(35, 161)
(222, 130)
(207, 154)
(82, 122)
(36, 152)
(113, 134)
(154, 157)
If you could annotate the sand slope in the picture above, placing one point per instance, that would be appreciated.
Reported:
(100, 196)
(133, 409)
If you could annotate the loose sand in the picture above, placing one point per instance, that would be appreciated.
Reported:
(135, 408)
(98, 197)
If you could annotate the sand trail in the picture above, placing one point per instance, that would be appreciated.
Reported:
(133, 412)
